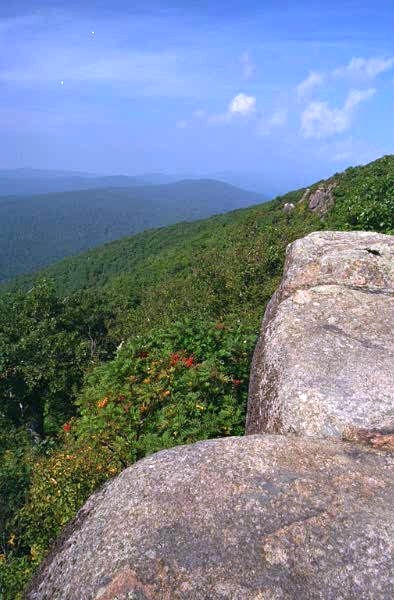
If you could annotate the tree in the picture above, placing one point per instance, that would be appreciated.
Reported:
(46, 345)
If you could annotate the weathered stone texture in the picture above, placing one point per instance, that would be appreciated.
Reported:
(321, 200)
(288, 208)
(324, 363)
(254, 518)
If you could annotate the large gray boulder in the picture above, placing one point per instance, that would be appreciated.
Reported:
(254, 518)
(324, 363)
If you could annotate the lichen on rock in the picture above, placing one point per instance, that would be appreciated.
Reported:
(324, 362)
(238, 518)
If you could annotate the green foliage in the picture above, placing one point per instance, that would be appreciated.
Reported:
(177, 385)
(15, 449)
(181, 384)
(185, 304)
(15, 572)
(46, 344)
(365, 198)
(15, 466)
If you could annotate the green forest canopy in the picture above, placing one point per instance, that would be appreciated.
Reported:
(140, 345)
(37, 230)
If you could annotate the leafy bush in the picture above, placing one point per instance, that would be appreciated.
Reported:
(46, 345)
(181, 384)
(15, 467)
(365, 198)
(15, 449)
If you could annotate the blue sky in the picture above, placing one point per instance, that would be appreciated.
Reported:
(290, 90)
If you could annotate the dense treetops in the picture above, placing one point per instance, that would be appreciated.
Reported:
(140, 345)
(37, 230)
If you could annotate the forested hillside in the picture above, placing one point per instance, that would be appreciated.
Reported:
(26, 182)
(139, 345)
(37, 230)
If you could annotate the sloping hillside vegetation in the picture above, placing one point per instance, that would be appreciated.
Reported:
(140, 345)
(37, 230)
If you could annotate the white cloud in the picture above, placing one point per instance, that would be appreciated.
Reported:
(319, 120)
(368, 68)
(242, 105)
(182, 124)
(355, 97)
(313, 81)
(248, 66)
(277, 119)
(357, 68)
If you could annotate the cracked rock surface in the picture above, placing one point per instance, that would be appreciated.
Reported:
(324, 362)
(254, 518)
(321, 200)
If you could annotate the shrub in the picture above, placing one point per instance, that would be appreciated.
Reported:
(177, 385)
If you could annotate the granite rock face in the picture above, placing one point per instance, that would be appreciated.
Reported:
(288, 208)
(321, 200)
(254, 518)
(324, 363)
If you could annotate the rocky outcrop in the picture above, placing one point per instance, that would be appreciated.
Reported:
(288, 208)
(320, 200)
(324, 363)
(267, 517)
(254, 518)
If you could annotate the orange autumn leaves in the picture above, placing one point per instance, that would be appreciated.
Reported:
(103, 403)
(154, 382)
(176, 359)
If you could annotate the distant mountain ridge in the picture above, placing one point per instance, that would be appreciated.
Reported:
(38, 230)
(26, 182)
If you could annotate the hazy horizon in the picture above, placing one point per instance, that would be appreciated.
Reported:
(288, 94)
